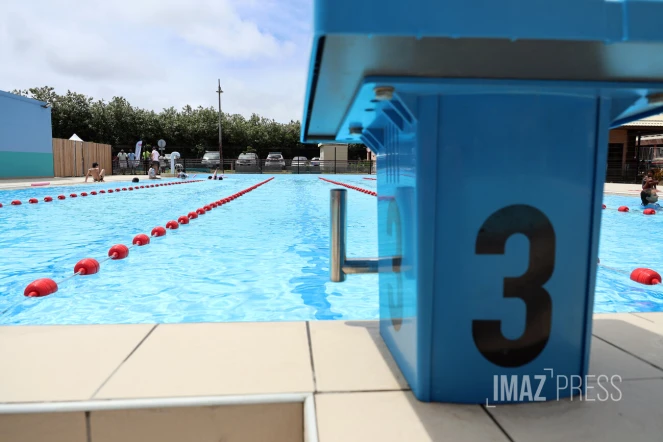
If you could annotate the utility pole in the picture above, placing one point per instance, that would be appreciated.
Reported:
(219, 91)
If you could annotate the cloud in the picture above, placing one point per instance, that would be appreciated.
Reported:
(162, 53)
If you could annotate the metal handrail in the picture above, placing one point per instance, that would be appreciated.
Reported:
(340, 264)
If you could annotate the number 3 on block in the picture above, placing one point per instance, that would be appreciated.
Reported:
(492, 238)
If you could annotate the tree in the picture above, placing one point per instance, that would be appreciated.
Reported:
(190, 131)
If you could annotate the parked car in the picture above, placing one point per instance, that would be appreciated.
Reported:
(315, 161)
(275, 159)
(248, 159)
(211, 159)
(299, 162)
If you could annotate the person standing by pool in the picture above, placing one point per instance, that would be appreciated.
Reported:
(146, 160)
(155, 159)
(132, 164)
(648, 194)
(97, 175)
(122, 158)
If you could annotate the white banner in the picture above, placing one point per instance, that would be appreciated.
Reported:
(139, 146)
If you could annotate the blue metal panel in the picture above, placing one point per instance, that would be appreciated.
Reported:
(514, 220)
(595, 20)
(573, 40)
(559, 19)
(25, 126)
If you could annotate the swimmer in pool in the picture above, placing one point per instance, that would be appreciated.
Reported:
(649, 194)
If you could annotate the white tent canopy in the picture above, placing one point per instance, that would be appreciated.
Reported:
(75, 137)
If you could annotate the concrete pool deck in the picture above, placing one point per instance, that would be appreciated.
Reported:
(359, 393)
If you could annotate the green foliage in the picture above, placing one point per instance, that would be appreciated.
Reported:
(190, 131)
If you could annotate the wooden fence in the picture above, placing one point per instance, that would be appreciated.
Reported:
(74, 158)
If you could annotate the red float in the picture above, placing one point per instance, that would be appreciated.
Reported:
(192, 215)
(0, 204)
(207, 208)
(131, 188)
(73, 195)
(141, 240)
(61, 197)
(117, 190)
(604, 206)
(48, 199)
(200, 211)
(87, 266)
(40, 287)
(93, 193)
(124, 188)
(646, 276)
(110, 190)
(16, 203)
(172, 225)
(102, 191)
(622, 209)
(118, 251)
(183, 219)
(33, 200)
(84, 194)
(158, 231)
(649, 212)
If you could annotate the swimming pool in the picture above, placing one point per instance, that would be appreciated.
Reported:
(263, 257)
(628, 241)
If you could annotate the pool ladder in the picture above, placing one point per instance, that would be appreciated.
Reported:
(340, 264)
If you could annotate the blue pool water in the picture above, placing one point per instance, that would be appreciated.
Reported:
(263, 257)
(628, 241)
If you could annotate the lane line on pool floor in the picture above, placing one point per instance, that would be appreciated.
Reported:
(350, 186)
(48, 199)
(90, 266)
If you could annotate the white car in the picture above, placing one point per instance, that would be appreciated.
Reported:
(299, 162)
(211, 160)
(274, 160)
(315, 161)
(248, 159)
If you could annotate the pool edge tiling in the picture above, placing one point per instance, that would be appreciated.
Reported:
(359, 414)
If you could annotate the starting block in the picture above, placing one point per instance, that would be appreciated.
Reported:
(490, 123)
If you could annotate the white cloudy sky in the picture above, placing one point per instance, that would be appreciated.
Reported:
(161, 53)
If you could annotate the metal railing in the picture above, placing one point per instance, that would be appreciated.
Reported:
(141, 167)
(340, 264)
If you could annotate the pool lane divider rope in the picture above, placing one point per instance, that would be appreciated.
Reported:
(625, 209)
(89, 266)
(639, 275)
(350, 186)
(48, 199)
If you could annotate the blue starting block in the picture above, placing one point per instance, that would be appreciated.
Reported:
(490, 123)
